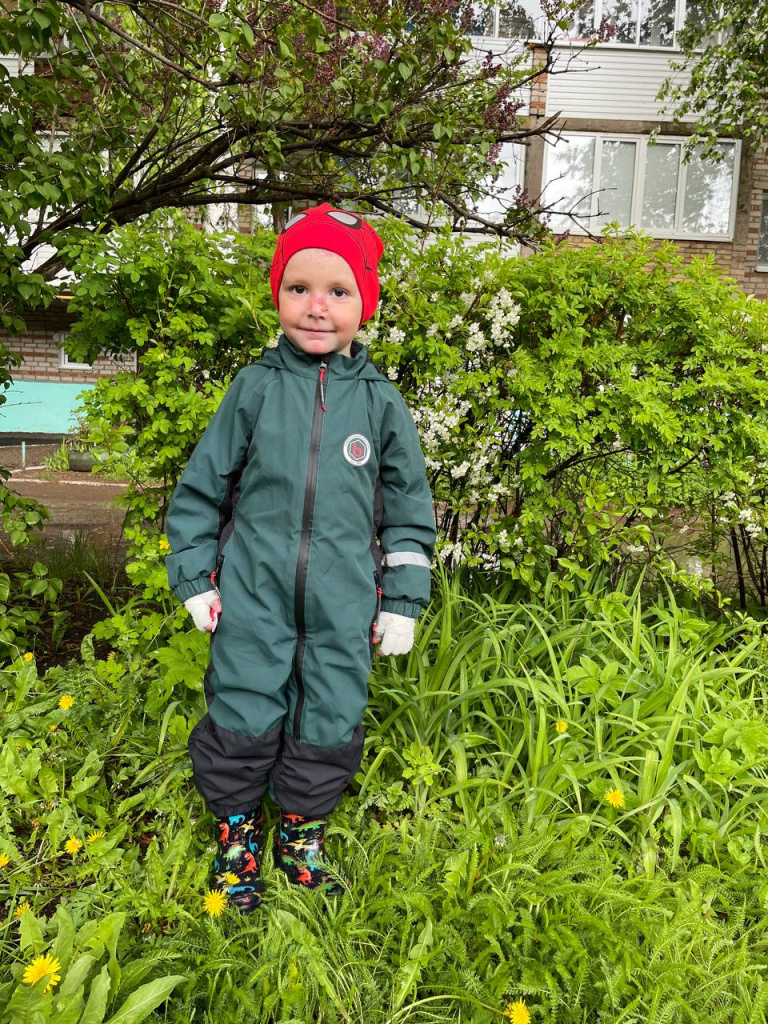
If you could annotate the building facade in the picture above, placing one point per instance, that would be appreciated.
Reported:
(618, 158)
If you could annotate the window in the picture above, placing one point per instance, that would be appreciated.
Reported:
(519, 19)
(601, 178)
(501, 191)
(633, 22)
(762, 241)
(66, 362)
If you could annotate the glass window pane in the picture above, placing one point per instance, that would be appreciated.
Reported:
(482, 20)
(657, 22)
(621, 16)
(582, 22)
(708, 189)
(501, 191)
(695, 14)
(521, 19)
(570, 166)
(660, 189)
(617, 177)
(762, 243)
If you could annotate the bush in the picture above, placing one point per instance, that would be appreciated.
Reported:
(574, 406)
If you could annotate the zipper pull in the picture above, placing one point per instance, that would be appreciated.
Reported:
(323, 368)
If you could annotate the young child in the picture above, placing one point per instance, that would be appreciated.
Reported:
(302, 533)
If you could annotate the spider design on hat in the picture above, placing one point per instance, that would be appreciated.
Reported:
(325, 227)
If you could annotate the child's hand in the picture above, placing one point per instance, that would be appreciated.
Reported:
(394, 633)
(205, 610)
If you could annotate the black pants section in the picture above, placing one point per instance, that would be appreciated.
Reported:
(310, 780)
(232, 771)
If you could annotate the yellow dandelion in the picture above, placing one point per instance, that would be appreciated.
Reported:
(615, 798)
(517, 1012)
(73, 844)
(214, 902)
(40, 967)
(231, 878)
(66, 702)
(29, 656)
(53, 727)
(21, 909)
(561, 725)
(164, 545)
(97, 834)
(4, 860)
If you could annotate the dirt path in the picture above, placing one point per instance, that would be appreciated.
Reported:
(78, 503)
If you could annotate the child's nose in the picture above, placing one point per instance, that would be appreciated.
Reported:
(318, 304)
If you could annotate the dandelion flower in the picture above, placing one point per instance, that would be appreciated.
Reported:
(615, 798)
(53, 727)
(66, 702)
(73, 844)
(98, 834)
(214, 902)
(40, 967)
(29, 656)
(21, 909)
(4, 860)
(231, 878)
(164, 545)
(517, 1012)
(561, 725)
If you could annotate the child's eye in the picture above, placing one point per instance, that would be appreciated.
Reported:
(340, 292)
(298, 288)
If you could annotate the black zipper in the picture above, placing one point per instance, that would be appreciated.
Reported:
(300, 590)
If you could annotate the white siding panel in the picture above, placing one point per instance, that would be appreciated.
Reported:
(10, 62)
(609, 84)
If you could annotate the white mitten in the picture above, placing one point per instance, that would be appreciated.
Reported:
(205, 609)
(395, 633)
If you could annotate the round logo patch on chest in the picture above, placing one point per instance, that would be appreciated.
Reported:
(357, 449)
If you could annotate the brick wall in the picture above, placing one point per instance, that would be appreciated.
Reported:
(40, 353)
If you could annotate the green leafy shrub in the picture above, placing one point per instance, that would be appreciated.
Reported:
(574, 406)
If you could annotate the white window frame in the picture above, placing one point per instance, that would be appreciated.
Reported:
(681, 12)
(65, 363)
(641, 145)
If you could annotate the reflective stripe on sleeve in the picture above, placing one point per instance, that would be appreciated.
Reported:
(406, 558)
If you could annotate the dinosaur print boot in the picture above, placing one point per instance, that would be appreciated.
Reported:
(300, 852)
(237, 862)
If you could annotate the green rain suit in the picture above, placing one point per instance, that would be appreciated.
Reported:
(306, 501)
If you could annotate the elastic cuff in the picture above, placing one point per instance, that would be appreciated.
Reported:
(191, 588)
(408, 608)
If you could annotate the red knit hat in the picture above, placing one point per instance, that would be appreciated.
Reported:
(347, 234)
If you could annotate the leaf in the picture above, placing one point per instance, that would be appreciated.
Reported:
(77, 973)
(63, 944)
(31, 934)
(98, 997)
(145, 999)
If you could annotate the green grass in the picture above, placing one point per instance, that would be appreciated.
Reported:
(485, 864)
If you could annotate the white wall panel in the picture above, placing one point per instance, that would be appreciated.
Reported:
(609, 83)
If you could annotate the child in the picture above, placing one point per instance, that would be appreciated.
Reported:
(311, 459)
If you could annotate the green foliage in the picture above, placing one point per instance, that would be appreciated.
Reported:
(722, 84)
(120, 111)
(86, 994)
(486, 864)
(575, 407)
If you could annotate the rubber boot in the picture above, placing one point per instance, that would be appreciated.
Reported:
(237, 863)
(300, 852)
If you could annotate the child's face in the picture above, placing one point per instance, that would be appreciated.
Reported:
(320, 303)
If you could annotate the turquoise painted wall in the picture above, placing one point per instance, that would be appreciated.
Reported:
(35, 406)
